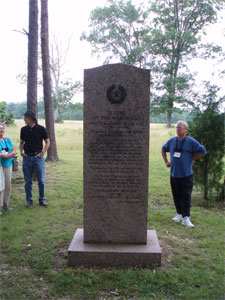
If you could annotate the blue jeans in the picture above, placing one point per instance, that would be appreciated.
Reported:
(30, 164)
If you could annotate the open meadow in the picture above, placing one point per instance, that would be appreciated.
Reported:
(34, 241)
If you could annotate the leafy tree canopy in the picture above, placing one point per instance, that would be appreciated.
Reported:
(162, 36)
(118, 30)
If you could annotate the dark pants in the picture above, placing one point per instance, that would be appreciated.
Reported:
(181, 190)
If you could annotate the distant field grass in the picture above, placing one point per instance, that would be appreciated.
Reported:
(34, 241)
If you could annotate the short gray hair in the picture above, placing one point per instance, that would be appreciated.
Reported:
(185, 124)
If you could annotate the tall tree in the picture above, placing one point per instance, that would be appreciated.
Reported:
(177, 30)
(63, 94)
(47, 86)
(63, 89)
(118, 30)
(32, 62)
(163, 36)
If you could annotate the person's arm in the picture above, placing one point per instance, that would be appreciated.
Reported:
(164, 156)
(13, 150)
(197, 156)
(47, 145)
(21, 148)
(6, 156)
(198, 150)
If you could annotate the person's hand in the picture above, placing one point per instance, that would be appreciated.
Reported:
(8, 156)
(40, 154)
(168, 164)
(23, 154)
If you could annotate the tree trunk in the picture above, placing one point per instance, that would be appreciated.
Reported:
(47, 85)
(32, 64)
(222, 194)
(205, 179)
(169, 118)
(56, 113)
(205, 192)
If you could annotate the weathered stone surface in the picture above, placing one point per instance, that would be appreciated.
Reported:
(105, 255)
(116, 157)
(116, 154)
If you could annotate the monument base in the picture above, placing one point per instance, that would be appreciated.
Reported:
(111, 255)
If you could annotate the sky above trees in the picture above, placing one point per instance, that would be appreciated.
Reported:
(68, 18)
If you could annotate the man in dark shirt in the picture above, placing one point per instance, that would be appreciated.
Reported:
(32, 151)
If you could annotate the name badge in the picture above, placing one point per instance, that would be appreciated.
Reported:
(177, 154)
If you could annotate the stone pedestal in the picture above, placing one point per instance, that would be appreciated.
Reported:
(116, 255)
(116, 163)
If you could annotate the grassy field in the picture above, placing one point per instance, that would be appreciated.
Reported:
(34, 241)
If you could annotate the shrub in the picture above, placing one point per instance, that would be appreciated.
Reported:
(5, 117)
(208, 128)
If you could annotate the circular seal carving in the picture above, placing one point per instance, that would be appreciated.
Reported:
(116, 94)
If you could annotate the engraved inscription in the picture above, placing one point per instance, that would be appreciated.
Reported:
(116, 158)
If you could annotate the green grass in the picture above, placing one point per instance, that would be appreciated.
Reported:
(34, 241)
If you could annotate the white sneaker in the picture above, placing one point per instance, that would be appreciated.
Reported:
(186, 222)
(177, 218)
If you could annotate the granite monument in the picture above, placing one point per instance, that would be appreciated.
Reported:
(116, 164)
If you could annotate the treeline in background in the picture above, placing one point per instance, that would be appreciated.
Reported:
(75, 112)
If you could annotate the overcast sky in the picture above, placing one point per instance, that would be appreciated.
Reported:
(66, 18)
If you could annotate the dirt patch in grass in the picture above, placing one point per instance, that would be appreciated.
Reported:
(61, 258)
(167, 254)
